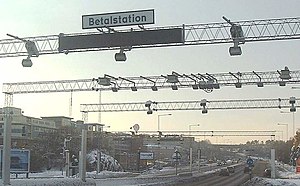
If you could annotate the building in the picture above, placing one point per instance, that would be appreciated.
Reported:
(26, 127)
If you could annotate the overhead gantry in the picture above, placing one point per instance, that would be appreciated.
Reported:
(202, 105)
(196, 81)
(238, 32)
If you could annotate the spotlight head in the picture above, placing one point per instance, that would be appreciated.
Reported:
(27, 62)
(292, 100)
(238, 85)
(120, 56)
(293, 109)
(235, 51)
(154, 88)
(260, 84)
(204, 111)
(114, 89)
(148, 103)
(203, 102)
(133, 89)
(149, 112)
(174, 87)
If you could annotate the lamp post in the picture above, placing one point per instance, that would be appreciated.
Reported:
(287, 126)
(158, 120)
(158, 130)
(191, 149)
(293, 132)
(279, 135)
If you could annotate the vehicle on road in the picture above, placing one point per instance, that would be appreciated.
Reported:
(224, 172)
(231, 169)
(267, 173)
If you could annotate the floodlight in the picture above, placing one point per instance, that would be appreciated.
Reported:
(121, 56)
(204, 111)
(238, 85)
(282, 83)
(285, 74)
(174, 87)
(292, 100)
(216, 86)
(31, 49)
(148, 103)
(133, 88)
(149, 112)
(260, 84)
(172, 78)
(203, 102)
(235, 51)
(114, 89)
(202, 85)
(154, 88)
(293, 109)
(104, 81)
(195, 86)
(27, 62)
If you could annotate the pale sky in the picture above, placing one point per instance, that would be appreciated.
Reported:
(37, 18)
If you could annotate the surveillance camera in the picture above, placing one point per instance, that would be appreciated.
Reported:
(27, 62)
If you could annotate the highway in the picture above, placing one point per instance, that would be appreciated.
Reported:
(208, 175)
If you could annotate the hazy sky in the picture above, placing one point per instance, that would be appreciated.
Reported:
(36, 18)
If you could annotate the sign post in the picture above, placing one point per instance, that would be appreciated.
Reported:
(176, 156)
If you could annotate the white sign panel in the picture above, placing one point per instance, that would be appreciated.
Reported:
(139, 17)
(146, 155)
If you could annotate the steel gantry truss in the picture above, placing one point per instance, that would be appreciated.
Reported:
(203, 105)
(209, 133)
(205, 81)
(194, 34)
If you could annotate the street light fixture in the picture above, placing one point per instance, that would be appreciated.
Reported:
(287, 126)
(282, 112)
(192, 125)
(31, 48)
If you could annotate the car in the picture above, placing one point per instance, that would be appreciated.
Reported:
(267, 173)
(231, 169)
(224, 172)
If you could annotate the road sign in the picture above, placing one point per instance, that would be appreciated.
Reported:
(250, 162)
(146, 155)
(20, 160)
(120, 39)
(139, 17)
(176, 155)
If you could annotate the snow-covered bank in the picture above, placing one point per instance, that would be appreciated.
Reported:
(285, 174)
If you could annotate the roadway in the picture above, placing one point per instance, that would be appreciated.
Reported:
(208, 175)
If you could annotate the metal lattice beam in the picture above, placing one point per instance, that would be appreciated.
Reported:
(204, 81)
(188, 105)
(195, 34)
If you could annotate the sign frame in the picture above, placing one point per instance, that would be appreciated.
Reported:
(19, 159)
(146, 156)
(126, 18)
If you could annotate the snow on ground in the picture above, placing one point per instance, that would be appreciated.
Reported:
(285, 176)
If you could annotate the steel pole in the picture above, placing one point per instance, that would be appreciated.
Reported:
(6, 146)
